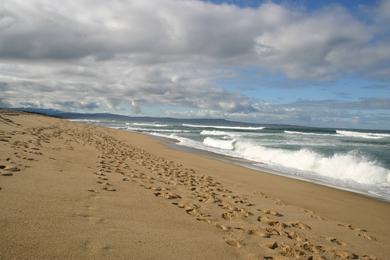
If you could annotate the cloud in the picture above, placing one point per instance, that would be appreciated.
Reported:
(308, 113)
(126, 55)
(314, 46)
(300, 44)
(116, 85)
(169, 28)
(373, 103)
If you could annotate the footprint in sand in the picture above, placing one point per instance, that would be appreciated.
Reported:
(343, 254)
(368, 257)
(229, 215)
(109, 188)
(336, 241)
(234, 242)
(12, 169)
(298, 224)
(360, 232)
(271, 212)
(259, 233)
(264, 219)
(366, 236)
(273, 245)
(223, 227)
(167, 195)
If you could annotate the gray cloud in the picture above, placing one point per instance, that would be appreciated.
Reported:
(308, 113)
(115, 89)
(125, 55)
(313, 45)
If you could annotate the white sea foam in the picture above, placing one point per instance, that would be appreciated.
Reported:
(214, 132)
(172, 136)
(351, 166)
(85, 120)
(156, 130)
(344, 133)
(249, 128)
(150, 124)
(362, 134)
(347, 167)
(217, 133)
(305, 133)
(221, 144)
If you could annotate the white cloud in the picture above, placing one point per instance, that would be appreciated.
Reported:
(119, 55)
(315, 45)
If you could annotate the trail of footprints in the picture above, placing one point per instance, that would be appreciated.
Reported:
(24, 148)
(243, 224)
(360, 232)
(208, 201)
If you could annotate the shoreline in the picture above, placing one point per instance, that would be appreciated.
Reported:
(81, 191)
(172, 143)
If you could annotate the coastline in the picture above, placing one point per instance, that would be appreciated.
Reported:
(266, 173)
(177, 203)
(173, 144)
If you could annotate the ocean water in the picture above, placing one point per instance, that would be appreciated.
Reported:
(354, 160)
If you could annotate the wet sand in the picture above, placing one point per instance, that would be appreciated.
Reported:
(77, 191)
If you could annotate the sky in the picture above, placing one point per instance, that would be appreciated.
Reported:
(314, 63)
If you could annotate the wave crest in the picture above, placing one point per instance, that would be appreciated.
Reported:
(150, 124)
(216, 133)
(148, 130)
(221, 144)
(349, 166)
(249, 128)
(362, 134)
(305, 133)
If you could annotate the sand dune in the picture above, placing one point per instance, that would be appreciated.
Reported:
(72, 190)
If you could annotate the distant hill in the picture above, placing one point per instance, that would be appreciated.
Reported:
(146, 119)
(109, 116)
(199, 121)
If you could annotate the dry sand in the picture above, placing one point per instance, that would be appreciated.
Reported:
(76, 191)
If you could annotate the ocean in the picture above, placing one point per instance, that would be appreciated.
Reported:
(354, 160)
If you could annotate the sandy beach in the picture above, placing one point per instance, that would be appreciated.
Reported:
(78, 191)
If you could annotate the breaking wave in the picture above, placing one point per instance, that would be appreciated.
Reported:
(344, 133)
(250, 128)
(351, 166)
(305, 133)
(362, 134)
(150, 124)
(140, 129)
(221, 144)
(217, 133)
